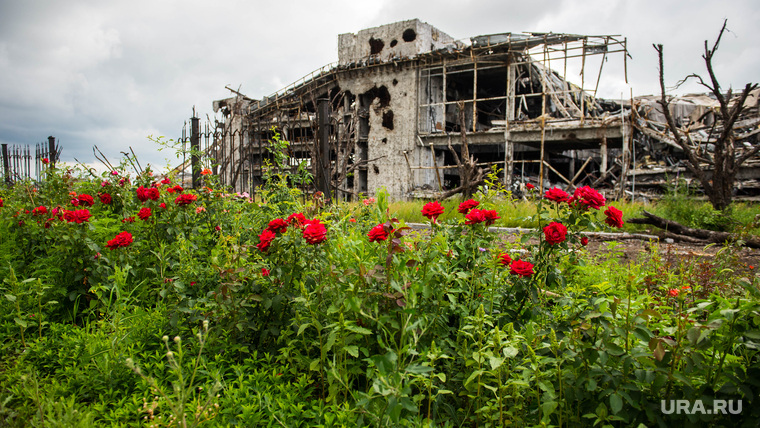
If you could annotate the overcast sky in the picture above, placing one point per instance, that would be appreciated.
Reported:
(111, 73)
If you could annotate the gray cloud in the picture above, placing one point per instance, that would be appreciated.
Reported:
(112, 73)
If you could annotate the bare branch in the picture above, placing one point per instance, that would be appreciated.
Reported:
(686, 146)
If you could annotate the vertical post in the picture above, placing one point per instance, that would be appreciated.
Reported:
(474, 94)
(52, 152)
(435, 165)
(604, 154)
(6, 165)
(195, 146)
(509, 117)
(626, 153)
(542, 171)
(583, 81)
(323, 164)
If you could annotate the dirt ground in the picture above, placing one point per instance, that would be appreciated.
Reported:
(634, 249)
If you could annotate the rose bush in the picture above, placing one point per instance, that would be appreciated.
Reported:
(344, 315)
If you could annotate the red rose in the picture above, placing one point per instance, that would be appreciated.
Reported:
(123, 239)
(176, 188)
(614, 217)
(152, 193)
(314, 232)
(474, 217)
(45, 161)
(504, 259)
(265, 239)
(378, 233)
(166, 181)
(1, 202)
(673, 292)
(555, 233)
(144, 213)
(130, 219)
(557, 195)
(218, 228)
(521, 268)
(297, 220)
(105, 198)
(264, 272)
(86, 200)
(584, 241)
(77, 216)
(185, 199)
(39, 210)
(530, 186)
(278, 225)
(162, 205)
(141, 194)
(467, 205)
(145, 193)
(432, 210)
(586, 198)
(491, 216)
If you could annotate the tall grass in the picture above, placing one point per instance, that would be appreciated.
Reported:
(513, 213)
(685, 210)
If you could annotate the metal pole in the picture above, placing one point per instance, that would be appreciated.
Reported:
(195, 146)
(6, 165)
(52, 152)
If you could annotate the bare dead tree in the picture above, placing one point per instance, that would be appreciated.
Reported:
(470, 175)
(727, 156)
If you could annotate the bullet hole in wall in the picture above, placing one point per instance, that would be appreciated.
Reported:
(394, 42)
(381, 93)
(395, 82)
(385, 141)
(409, 35)
(375, 46)
(376, 169)
(388, 119)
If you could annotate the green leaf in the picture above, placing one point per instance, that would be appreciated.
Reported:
(418, 369)
(356, 329)
(353, 350)
(10, 297)
(314, 366)
(495, 362)
(302, 328)
(510, 352)
(548, 407)
(472, 377)
(616, 403)
(614, 349)
(20, 322)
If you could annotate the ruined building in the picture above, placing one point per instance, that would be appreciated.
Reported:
(393, 112)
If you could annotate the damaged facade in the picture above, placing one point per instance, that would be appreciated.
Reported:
(393, 108)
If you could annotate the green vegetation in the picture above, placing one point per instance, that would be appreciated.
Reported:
(157, 306)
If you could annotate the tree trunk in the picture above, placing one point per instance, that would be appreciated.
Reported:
(707, 235)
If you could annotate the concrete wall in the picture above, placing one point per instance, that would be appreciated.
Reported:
(404, 39)
(391, 170)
